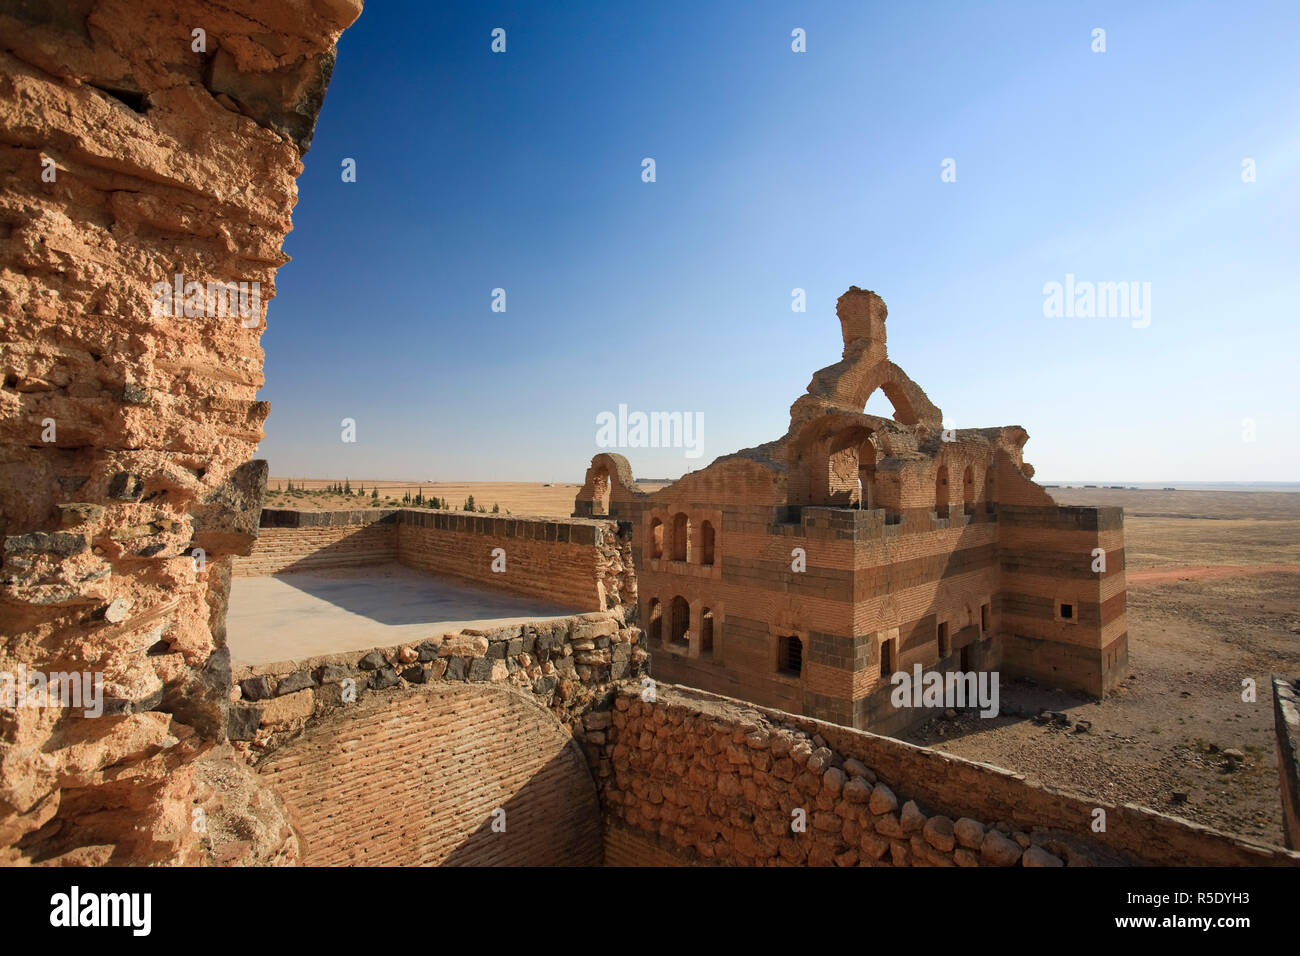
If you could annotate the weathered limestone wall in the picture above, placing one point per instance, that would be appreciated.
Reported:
(1286, 713)
(130, 158)
(704, 779)
(309, 541)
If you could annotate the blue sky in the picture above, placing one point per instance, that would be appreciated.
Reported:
(778, 170)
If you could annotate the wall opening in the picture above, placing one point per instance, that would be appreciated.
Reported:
(680, 622)
(789, 656)
(706, 633)
(655, 623)
(707, 543)
(887, 658)
(943, 640)
(681, 537)
(600, 485)
(656, 538)
(941, 492)
(968, 490)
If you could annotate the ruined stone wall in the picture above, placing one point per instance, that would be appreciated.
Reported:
(1286, 713)
(702, 779)
(131, 157)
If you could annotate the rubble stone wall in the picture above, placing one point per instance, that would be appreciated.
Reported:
(706, 779)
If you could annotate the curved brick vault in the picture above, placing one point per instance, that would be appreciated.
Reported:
(415, 779)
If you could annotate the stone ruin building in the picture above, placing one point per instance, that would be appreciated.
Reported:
(802, 573)
(131, 505)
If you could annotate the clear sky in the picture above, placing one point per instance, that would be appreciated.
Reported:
(778, 170)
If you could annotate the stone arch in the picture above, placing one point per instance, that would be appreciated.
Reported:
(360, 793)
(608, 482)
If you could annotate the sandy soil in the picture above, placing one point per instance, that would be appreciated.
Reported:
(1213, 600)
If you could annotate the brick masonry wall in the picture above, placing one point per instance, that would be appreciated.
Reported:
(310, 549)
(554, 559)
(418, 779)
(584, 563)
(706, 780)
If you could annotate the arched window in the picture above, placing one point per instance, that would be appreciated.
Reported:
(706, 633)
(867, 474)
(656, 538)
(681, 622)
(968, 490)
(681, 537)
(655, 626)
(706, 542)
(941, 492)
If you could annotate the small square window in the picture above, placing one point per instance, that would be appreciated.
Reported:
(1067, 612)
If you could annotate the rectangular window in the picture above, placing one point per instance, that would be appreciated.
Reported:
(984, 619)
(943, 640)
(1067, 612)
(790, 656)
(887, 658)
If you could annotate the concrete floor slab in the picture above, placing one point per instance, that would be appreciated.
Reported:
(295, 616)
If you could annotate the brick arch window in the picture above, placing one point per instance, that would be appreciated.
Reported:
(656, 538)
(680, 622)
(867, 473)
(681, 537)
(708, 542)
(655, 625)
(941, 492)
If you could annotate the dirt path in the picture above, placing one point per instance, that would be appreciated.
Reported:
(1189, 572)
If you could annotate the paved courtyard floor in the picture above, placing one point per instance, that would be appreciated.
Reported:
(294, 616)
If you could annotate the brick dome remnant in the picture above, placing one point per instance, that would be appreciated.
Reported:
(923, 545)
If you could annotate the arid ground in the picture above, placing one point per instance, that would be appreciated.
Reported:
(1213, 600)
